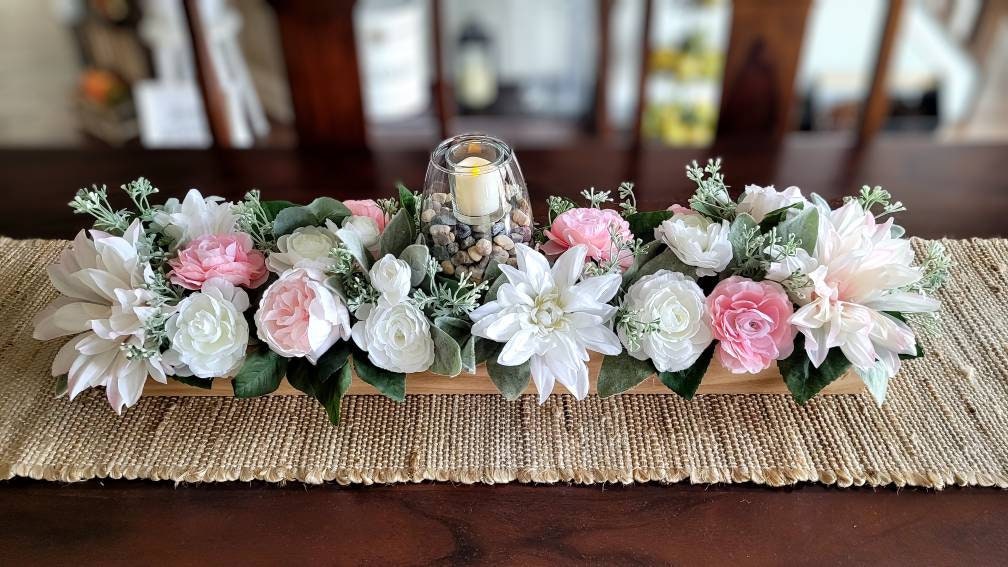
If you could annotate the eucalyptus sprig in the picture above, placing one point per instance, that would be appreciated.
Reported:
(633, 328)
(94, 201)
(711, 198)
(253, 219)
(871, 197)
(455, 299)
(596, 198)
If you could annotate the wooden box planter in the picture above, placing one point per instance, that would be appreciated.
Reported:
(718, 380)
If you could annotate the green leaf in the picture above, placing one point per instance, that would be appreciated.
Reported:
(60, 387)
(194, 381)
(328, 208)
(447, 354)
(742, 224)
(398, 234)
(260, 374)
(301, 375)
(390, 384)
(643, 224)
(774, 217)
(510, 380)
(805, 380)
(406, 199)
(417, 256)
(686, 382)
(805, 225)
(272, 208)
(491, 292)
(355, 246)
(330, 394)
(648, 253)
(666, 260)
(622, 372)
(455, 327)
(313, 214)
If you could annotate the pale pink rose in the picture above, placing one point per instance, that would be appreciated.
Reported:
(681, 210)
(750, 319)
(591, 228)
(299, 316)
(367, 208)
(229, 256)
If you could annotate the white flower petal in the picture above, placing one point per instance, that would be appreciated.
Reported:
(568, 267)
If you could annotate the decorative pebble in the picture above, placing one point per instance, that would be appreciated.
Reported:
(512, 261)
(498, 229)
(436, 229)
(504, 241)
(442, 238)
(447, 268)
(517, 237)
(463, 231)
(474, 253)
(440, 253)
(445, 218)
(461, 258)
(434, 206)
(520, 218)
(452, 247)
(427, 216)
(467, 242)
(476, 274)
(500, 255)
(483, 246)
(439, 197)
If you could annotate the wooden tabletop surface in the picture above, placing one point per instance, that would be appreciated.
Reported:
(950, 190)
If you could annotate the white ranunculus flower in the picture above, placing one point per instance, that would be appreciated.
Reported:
(758, 201)
(396, 336)
(546, 317)
(196, 216)
(105, 304)
(366, 229)
(208, 333)
(801, 263)
(307, 247)
(697, 241)
(391, 277)
(677, 303)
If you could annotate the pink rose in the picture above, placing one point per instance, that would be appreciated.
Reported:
(367, 208)
(228, 256)
(681, 210)
(299, 316)
(750, 319)
(591, 228)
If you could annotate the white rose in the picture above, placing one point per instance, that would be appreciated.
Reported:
(677, 303)
(396, 337)
(366, 229)
(391, 277)
(307, 247)
(758, 201)
(697, 242)
(208, 333)
(299, 316)
(195, 216)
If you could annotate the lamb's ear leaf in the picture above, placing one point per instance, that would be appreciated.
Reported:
(510, 380)
(485, 349)
(736, 234)
(469, 355)
(447, 354)
(648, 253)
(622, 372)
(666, 260)
(685, 382)
(774, 217)
(328, 208)
(805, 380)
(398, 234)
(60, 386)
(292, 218)
(355, 246)
(260, 374)
(455, 327)
(388, 383)
(805, 226)
(643, 224)
(417, 256)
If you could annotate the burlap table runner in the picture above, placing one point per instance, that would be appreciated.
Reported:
(945, 421)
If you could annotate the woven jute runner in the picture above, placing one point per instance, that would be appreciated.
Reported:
(945, 422)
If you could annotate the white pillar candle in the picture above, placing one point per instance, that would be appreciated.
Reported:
(478, 191)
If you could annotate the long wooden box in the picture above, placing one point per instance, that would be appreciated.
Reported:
(717, 381)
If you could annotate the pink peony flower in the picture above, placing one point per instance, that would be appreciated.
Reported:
(591, 228)
(750, 319)
(228, 256)
(367, 208)
(299, 316)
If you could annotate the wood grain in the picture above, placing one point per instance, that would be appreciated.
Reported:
(718, 380)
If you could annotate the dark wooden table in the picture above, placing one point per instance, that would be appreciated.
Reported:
(956, 191)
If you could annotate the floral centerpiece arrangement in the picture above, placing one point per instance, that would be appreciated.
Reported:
(257, 291)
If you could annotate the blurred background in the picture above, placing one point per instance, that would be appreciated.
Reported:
(403, 74)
